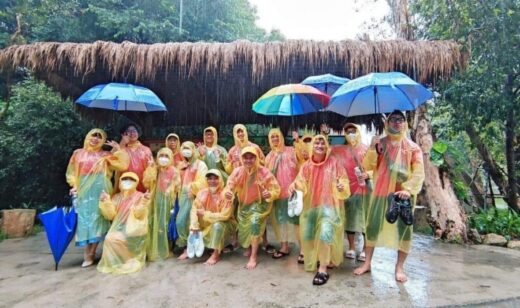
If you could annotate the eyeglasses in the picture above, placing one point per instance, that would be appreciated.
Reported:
(396, 120)
(98, 135)
(131, 131)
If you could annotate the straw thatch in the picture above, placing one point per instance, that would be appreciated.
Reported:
(216, 83)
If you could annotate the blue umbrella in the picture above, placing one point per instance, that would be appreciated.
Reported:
(60, 227)
(121, 96)
(291, 100)
(327, 83)
(172, 227)
(378, 93)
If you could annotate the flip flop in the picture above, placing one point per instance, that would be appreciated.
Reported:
(351, 254)
(301, 259)
(361, 257)
(280, 254)
(320, 279)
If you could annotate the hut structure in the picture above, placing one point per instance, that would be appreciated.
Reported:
(216, 83)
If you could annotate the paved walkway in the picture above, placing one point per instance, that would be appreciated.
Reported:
(439, 275)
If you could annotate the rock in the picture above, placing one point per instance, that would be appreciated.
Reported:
(474, 236)
(18, 222)
(494, 239)
(513, 244)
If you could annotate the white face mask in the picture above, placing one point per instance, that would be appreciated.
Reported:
(351, 137)
(127, 184)
(186, 153)
(164, 161)
(213, 189)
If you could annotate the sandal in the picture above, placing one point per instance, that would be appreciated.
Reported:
(361, 257)
(270, 249)
(351, 254)
(280, 254)
(320, 279)
(301, 259)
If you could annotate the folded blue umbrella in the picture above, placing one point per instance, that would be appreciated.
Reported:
(60, 227)
(172, 228)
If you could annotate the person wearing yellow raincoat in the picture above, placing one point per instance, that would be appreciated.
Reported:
(397, 169)
(173, 143)
(282, 162)
(89, 172)
(163, 180)
(241, 141)
(212, 215)
(351, 156)
(255, 188)
(124, 249)
(139, 154)
(193, 171)
(324, 184)
(302, 147)
(212, 153)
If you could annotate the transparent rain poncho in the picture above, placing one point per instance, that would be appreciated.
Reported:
(398, 167)
(302, 149)
(217, 224)
(210, 153)
(253, 210)
(164, 183)
(90, 171)
(322, 218)
(139, 155)
(351, 156)
(193, 179)
(283, 164)
(233, 158)
(124, 249)
(177, 156)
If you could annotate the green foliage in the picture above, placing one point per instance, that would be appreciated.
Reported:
(38, 135)
(139, 21)
(503, 222)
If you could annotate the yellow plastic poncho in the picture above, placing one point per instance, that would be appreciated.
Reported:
(253, 210)
(351, 156)
(322, 218)
(177, 156)
(303, 150)
(124, 249)
(217, 224)
(90, 171)
(139, 155)
(399, 167)
(283, 164)
(210, 150)
(193, 179)
(234, 159)
(164, 184)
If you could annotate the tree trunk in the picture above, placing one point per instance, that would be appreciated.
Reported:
(512, 195)
(447, 217)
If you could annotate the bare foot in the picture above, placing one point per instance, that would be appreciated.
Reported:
(400, 276)
(184, 256)
(362, 270)
(251, 264)
(212, 260)
(247, 253)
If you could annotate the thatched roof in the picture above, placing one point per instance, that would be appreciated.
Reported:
(216, 83)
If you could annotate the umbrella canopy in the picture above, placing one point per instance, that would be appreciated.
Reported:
(60, 226)
(327, 83)
(378, 93)
(291, 100)
(121, 96)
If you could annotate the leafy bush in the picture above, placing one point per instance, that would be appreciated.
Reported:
(38, 135)
(504, 222)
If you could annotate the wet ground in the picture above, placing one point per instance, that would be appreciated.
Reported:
(439, 275)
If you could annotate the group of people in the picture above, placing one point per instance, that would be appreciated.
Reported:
(227, 197)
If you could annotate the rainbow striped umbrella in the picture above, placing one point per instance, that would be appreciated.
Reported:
(291, 100)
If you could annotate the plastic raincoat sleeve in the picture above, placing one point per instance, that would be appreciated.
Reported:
(141, 209)
(72, 173)
(108, 209)
(271, 184)
(370, 160)
(300, 183)
(223, 215)
(194, 218)
(119, 160)
(150, 177)
(343, 195)
(200, 179)
(415, 181)
(228, 164)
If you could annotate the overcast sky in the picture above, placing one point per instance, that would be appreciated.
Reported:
(319, 19)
